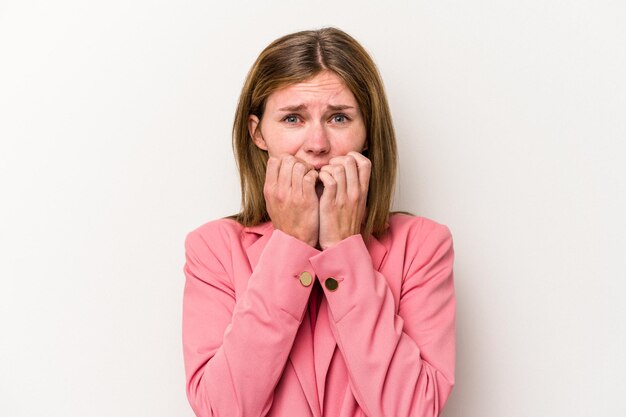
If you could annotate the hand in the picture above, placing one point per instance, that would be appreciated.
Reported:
(290, 197)
(343, 201)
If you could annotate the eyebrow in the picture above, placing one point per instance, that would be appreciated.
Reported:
(332, 107)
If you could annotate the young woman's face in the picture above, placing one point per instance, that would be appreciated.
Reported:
(314, 121)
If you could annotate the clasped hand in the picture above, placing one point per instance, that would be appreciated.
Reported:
(295, 208)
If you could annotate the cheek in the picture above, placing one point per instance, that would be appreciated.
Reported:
(353, 140)
(280, 142)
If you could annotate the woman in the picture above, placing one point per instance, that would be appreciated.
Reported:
(315, 300)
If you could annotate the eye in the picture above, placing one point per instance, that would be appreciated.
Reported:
(291, 118)
(340, 118)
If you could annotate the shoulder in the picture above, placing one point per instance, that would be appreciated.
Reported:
(217, 228)
(422, 241)
(220, 234)
(418, 236)
(416, 228)
(211, 247)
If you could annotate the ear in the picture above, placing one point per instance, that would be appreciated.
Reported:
(255, 132)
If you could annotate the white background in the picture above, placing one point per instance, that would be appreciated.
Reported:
(115, 123)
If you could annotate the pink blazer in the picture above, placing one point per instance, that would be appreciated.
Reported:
(384, 339)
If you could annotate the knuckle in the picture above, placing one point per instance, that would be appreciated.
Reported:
(336, 169)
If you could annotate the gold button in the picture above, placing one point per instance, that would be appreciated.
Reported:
(306, 279)
(331, 284)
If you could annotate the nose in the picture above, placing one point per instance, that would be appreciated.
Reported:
(317, 141)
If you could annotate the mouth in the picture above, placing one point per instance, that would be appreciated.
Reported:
(319, 188)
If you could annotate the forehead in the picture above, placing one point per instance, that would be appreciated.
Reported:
(326, 88)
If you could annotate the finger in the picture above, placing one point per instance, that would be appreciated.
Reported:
(306, 164)
(353, 186)
(330, 185)
(297, 175)
(338, 160)
(308, 184)
(306, 167)
(364, 168)
(339, 173)
(285, 173)
(271, 171)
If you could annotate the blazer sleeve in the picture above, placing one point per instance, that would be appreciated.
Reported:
(236, 345)
(399, 364)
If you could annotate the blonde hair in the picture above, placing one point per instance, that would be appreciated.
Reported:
(295, 58)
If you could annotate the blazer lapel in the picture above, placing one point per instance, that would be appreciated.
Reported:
(255, 238)
(301, 355)
(324, 343)
(301, 358)
(378, 250)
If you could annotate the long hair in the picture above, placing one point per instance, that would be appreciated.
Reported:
(298, 57)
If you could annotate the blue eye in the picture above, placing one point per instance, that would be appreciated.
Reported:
(292, 118)
(340, 118)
